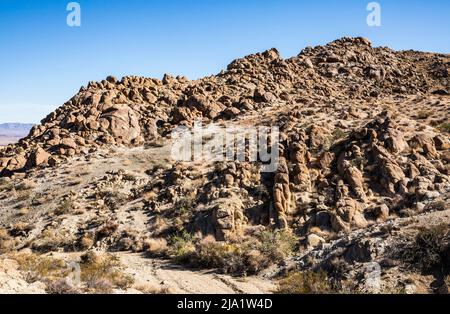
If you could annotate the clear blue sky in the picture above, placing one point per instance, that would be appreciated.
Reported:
(43, 62)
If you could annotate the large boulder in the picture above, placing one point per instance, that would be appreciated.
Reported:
(122, 123)
(38, 157)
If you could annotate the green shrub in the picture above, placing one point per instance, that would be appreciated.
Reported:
(181, 247)
(277, 245)
(444, 127)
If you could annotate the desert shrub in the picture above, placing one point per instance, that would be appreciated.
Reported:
(277, 245)
(423, 114)
(25, 185)
(337, 135)
(103, 273)
(107, 229)
(41, 268)
(65, 207)
(444, 127)
(181, 247)
(305, 283)
(20, 229)
(7, 243)
(438, 205)
(5, 184)
(239, 257)
(185, 204)
(150, 289)
(51, 240)
(430, 250)
(230, 258)
(60, 286)
(155, 247)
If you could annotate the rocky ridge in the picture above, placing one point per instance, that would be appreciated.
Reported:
(364, 143)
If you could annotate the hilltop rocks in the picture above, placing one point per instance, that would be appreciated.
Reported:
(136, 110)
(122, 123)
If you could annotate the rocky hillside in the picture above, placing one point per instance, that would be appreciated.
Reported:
(364, 147)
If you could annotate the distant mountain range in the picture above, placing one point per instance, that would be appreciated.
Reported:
(12, 132)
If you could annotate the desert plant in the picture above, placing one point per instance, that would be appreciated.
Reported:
(7, 243)
(305, 283)
(277, 245)
(444, 127)
(181, 247)
(52, 239)
(40, 268)
(65, 207)
(5, 185)
(423, 114)
(103, 272)
(60, 286)
(242, 256)
(337, 135)
(430, 250)
(155, 247)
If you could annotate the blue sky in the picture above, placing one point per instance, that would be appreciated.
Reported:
(43, 62)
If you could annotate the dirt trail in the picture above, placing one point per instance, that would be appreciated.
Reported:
(164, 275)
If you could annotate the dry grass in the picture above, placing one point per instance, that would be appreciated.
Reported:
(424, 114)
(305, 283)
(41, 268)
(98, 273)
(155, 247)
(7, 243)
(52, 239)
(150, 289)
(102, 273)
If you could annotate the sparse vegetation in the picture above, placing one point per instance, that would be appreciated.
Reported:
(66, 206)
(41, 268)
(103, 273)
(424, 114)
(98, 273)
(243, 256)
(337, 135)
(430, 250)
(155, 247)
(52, 239)
(7, 243)
(5, 185)
(305, 283)
(444, 127)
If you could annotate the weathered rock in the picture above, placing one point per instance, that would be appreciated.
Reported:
(38, 157)
(123, 124)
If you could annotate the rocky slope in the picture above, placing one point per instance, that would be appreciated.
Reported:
(364, 144)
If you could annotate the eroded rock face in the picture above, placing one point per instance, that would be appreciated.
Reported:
(282, 193)
(352, 152)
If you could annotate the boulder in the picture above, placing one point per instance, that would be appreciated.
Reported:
(122, 123)
(38, 157)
